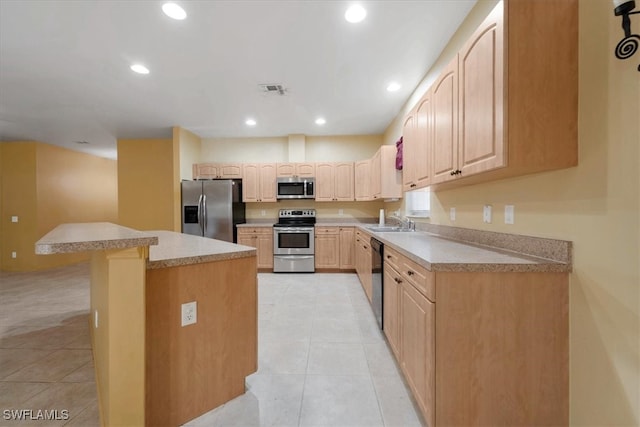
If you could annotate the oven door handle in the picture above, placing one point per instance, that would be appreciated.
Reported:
(294, 256)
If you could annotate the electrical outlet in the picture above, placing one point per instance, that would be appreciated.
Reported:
(263, 212)
(509, 214)
(340, 211)
(14, 219)
(486, 214)
(95, 319)
(189, 313)
(452, 214)
(14, 254)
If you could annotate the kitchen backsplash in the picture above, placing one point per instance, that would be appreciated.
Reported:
(323, 209)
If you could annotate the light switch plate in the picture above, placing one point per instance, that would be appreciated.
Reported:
(452, 214)
(486, 214)
(14, 218)
(509, 214)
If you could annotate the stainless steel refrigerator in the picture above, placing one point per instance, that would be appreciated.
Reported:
(212, 208)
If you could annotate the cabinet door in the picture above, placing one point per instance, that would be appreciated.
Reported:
(230, 171)
(250, 182)
(390, 177)
(285, 169)
(391, 304)
(367, 276)
(306, 170)
(247, 239)
(265, 250)
(408, 155)
(417, 337)
(267, 182)
(344, 191)
(376, 179)
(480, 137)
(205, 171)
(347, 253)
(327, 249)
(423, 143)
(445, 123)
(362, 180)
(325, 181)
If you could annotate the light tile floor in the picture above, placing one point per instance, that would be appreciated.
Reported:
(322, 359)
(45, 347)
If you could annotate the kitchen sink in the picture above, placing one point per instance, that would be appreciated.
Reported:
(386, 229)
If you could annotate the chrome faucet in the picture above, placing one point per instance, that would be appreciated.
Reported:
(406, 223)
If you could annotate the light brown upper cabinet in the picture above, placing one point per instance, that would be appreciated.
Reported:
(363, 180)
(507, 104)
(334, 182)
(386, 180)
(305, 170)
(409, 158)
(445, 123)
(217, 170)
(259, 182)
(416, 145)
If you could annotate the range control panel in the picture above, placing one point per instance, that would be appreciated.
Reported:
(297, 213)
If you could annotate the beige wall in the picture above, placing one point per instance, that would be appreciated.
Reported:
(244, 150)
(346, 148)
(45, 186)
(596, 206)
(323, 209)
(189, 149)
(147, 182)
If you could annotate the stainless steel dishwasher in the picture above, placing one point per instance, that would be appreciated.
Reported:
(377, 250)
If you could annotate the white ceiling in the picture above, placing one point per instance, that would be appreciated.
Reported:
(65, 77)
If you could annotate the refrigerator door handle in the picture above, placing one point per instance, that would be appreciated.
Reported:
(204, 210)
(200, 209)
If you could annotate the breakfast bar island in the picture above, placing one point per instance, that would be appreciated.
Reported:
(150, 369)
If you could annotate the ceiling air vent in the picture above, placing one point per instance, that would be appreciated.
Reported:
(275, 89)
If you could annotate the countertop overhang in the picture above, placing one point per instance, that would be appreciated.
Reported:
(166, 248)
(92, 236)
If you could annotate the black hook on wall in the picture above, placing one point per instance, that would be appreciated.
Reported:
(628, 46)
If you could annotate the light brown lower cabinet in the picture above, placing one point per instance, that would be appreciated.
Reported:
(480, 348)
(260, 238)
(334, 248)
(363, 262)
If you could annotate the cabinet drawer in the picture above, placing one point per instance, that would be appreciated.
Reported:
(255, 230)
(392, 258)
(327, 230)
(422, 279)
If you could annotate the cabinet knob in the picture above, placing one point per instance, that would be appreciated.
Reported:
(388, 256)
(410, 273)
(397, 280)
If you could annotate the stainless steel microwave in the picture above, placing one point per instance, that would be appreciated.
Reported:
(296, 188)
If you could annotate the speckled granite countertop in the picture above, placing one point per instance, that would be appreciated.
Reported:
(166, 248)
(175, 249)
(92, 236)
(437, 253)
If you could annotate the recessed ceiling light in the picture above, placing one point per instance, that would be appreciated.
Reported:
(250, 122)
(320, 121)
(355, 14)
(140, 69)
(174, 11)
(393, 86)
